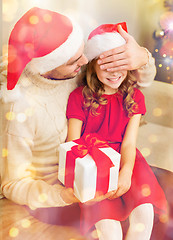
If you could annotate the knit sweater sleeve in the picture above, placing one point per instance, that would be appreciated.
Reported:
(145, 74)
(20, 182)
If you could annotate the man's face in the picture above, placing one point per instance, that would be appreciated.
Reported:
(69, 69)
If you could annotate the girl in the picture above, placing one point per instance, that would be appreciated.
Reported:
(109, 104)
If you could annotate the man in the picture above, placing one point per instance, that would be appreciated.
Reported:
(45, 55)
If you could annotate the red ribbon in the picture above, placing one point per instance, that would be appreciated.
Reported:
(90, 144)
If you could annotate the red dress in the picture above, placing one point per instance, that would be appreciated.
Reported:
(111, 124)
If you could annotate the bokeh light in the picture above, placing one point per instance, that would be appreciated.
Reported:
(4, 152)
(33, 20)
(42, 197)
(21, 117)
(10, 116)
(145, 151)
(26, 223)
(157, 112)
(146, 191)
(47, 18)
(163, 218)
(14, 232)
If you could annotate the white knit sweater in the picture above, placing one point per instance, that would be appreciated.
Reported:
(32, 136)
(35, 125)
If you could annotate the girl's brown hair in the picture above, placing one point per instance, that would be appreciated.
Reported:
(94, 89)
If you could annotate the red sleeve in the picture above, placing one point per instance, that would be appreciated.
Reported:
(140, 100)
(75, 105)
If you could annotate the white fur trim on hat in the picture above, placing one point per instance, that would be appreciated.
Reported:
(60, 55)
(101, 43)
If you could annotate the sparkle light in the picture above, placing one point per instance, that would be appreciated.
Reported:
(164, 55)
(167, 68)
(160, 65)
(13, 232)
(156, 50)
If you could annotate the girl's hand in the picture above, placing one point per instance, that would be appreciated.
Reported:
(68, 197)
(124, 183)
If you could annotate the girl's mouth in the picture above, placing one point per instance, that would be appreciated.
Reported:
(114, 79)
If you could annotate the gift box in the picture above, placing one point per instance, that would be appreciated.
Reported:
(89, 166)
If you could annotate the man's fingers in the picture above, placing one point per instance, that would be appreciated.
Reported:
(111, 52)
(116, 64)
(123, 33)
(112, 58)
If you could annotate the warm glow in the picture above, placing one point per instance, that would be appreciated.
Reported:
(156, 50)
(167, 68)
(160, 65)
(13, 232)
(164, 55)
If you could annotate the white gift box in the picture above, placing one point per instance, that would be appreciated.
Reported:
(85, 172)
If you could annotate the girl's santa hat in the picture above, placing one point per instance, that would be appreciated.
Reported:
(44, 39)
(104, 38)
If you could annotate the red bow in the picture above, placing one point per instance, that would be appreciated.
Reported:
(90, 141)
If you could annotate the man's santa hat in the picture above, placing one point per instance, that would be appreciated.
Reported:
(104, 38)
(44, 39)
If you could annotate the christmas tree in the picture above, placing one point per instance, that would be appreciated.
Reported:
(163, 52)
